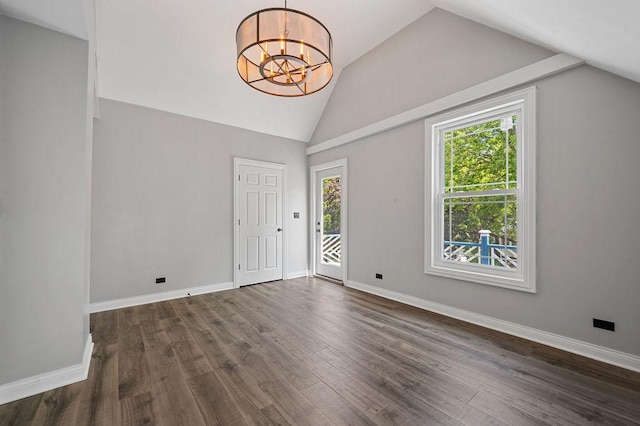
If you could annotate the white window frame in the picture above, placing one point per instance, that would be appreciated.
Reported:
(522, 103)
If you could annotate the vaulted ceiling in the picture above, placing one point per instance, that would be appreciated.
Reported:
(180, 56)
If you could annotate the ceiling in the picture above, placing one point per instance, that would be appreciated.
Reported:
(604, 33)
(164, 55)
(65, 16)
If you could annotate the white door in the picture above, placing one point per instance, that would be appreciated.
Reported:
(258, 218)
(329, 194)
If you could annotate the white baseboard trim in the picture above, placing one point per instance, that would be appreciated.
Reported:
(299, 274)
(157, 297)
(589, 350)
(34, 385)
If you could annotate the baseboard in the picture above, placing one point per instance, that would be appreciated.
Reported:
(299, 274)
(157, 297)
(589, 350)
(47, 381)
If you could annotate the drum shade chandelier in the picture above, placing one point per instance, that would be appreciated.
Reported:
(284, 52)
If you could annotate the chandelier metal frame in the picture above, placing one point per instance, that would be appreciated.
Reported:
(284, 52)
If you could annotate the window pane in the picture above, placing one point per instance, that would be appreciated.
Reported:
(481, 157)
(331, 239)
(331, 205)
(468, 219)
(481, 212)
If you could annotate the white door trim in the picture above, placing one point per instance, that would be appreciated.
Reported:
(237, 162)
(343, 215)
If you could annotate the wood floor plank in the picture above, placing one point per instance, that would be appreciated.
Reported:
(175, 402)
(20, 412)
(588, 368)
(105, 328)
(159, 354)
(188, 316)
(144, 312)
(221, 402)
(540, 373)
(459, 362)
(367, 365)
(281, 392)
(367, 399)
(339, 361)
(133, 367)
(99, 404)
(140, 410)
(370, 357)
(59, 406)
(164, 310)
(334, 406)
(544, 409)
(172, 398)
(305, 352)
(127, 315)
(274, 416)
(190, 357)
(359, 394)
(526, 351)
(256, 330)
(549, 413)
(292, 324)
(448, 404)
(241, 376)
(294, 404)
(503, 411)
(362, 395)
(216, 351)
(408, 408)
(586, 412)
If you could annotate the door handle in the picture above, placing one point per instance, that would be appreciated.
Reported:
(317, 230)
(279, 229)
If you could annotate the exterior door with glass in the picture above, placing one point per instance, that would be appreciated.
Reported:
(330, 218)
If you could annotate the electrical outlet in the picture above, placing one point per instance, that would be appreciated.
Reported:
(161, 280)
(605, 325)
(379, 276)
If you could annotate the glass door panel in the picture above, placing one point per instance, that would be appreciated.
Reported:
(330, 234)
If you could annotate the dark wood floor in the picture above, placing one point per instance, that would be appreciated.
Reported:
(309, 352)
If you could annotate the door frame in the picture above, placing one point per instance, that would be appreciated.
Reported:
(344, 214)
(237, 162)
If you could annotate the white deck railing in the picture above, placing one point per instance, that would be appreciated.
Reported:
(331, 247)
(502, 255)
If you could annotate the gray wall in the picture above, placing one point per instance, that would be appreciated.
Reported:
(435, 56)
(43, 200)
(588, 202)
(163, 200)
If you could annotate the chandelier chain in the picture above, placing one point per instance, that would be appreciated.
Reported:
(285, 33)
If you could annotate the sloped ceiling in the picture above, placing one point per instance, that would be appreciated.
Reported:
(604, 33)
(180, 56)
(161, 54)
(65, 16)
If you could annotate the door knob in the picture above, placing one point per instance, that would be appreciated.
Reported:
(279, 229)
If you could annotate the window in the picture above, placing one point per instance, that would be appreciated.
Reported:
(480, 214)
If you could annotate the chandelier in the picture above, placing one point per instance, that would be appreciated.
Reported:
(284, 52)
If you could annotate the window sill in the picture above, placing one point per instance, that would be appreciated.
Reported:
(482, 275)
